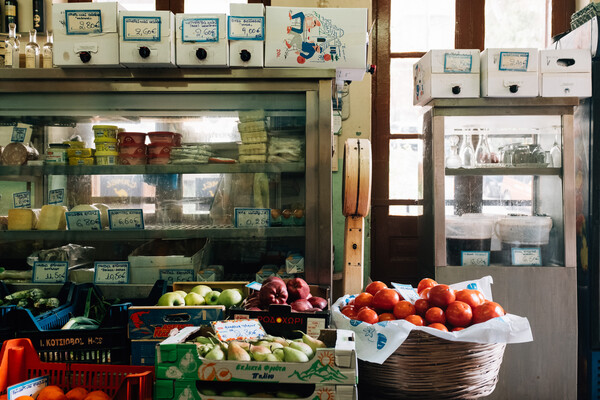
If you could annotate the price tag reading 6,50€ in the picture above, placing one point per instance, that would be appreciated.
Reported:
(109, 272)
(50, 271)
(126, 219)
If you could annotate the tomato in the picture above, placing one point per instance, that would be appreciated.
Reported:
(421, 307)
(386, 317)
(363, 300)
(385, 299)
(350, 312)
(441, 296)
(457, 328)
(459, 313)
(415, 320)
(435, 314)
(368, 315)
(438, 326)
(403, 309)
(473, 298)
(375, 287)
(486, 311)
(425, 283)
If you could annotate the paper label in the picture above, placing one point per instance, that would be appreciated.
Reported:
(56, 196)
(82, 22)
(28, 388)
(252, 217)
(526, 256)
(83, 220)
(20, 131)
(407, 292)
(111, 272)
(245, 28)
(176, 275)
(50, 271)
(513, 61)
(141, 29)
(314, 326)
(475, 258)
(457, 63)
(22, 200)
(126, 219)
(238, 329)
(200, 30)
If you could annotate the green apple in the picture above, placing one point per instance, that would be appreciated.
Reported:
(194, 299)
(212, 297)
(230, 298)
(171, 299)
(202, 290)
(181, 293)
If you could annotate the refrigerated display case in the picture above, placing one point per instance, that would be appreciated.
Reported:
(503, 204)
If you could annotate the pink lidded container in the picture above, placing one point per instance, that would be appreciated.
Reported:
(132, 149)
(129, 138)
(162, 159)
(159, 150)
(161, 137)
(135, 159)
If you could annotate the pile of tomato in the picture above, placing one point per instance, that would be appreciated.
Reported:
(439, 306)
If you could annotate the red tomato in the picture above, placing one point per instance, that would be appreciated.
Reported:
(421, 307)
(441, 295)
(415, 320)
(403, 309)
(486, 311)
(350, 312)
(457, 328)
(368, 315)
(363, 300)
(459, 313)
(386, 317)
(375, 287)
(435, 314)
(473, 298)
(425, 283)
(438, 326)
(425, 293)
(385, 299)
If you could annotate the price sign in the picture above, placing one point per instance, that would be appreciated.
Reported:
(238, 329)
(56, 196)
(83, 220)
(246, 28)
(28, 388)
(252, 217)
(126, 219)
(176, 275)
(526, 256)
(457, 63)
(200, 30)
(50, 271)
(141, 28)
(83, 22)
(19, 133)
(22, 200)
(111, 272)
(513, 61)
(475, 258)
(407, 291)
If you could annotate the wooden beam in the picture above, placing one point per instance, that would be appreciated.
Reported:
(561, 16)
(470, 24)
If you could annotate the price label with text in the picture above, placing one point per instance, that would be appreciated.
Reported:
(83, 220)
(31, 388)
(252, 217)
(111, 272)
(126, 219)
(238, 329)
(475, 258)
(56, 196)
(526, 256)
(18, 134)
(407, 292)
(50, 271)
(83, 22)
(176, 275)
(246, 28)
(457, 63)
(22, 200)
(513, 61)
(200, 30)
(141, 29)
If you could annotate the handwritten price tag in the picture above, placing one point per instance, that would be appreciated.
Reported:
(111, 272)
(126, 219)
(22, 200)
(457, 63)
(84, 220)
(19, 133)
(50, 271)
(407, 291)
(83, 22)
(246, 28)
(252, 217)
(200, 30)
(238, 329)
(56, 196)
(141, 28)
(176, 275)
(28, 388)
(513, 61)
(526, 256)
(475, 258)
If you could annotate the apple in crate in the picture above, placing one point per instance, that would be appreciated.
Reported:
(273, 292)
(298, 289)
(230, 298)
(318, 302)
(301, 305)
(212, 297)
(171, 299)
(202, 290)
(194, 299)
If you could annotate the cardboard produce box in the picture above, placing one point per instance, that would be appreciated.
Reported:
(154, 322)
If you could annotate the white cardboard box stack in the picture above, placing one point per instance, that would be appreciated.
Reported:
(146, 39)
(509, 73)
(565, 73)
(246, 34)
(202, 40)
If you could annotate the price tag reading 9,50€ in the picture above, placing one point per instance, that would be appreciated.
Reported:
(50, 271)
(126, 219)
(111, 272)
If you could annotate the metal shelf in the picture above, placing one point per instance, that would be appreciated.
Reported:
(503, 171)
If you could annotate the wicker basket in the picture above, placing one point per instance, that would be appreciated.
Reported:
(427, 367)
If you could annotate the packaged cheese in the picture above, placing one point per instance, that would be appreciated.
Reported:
(21, 219)
(52, 218)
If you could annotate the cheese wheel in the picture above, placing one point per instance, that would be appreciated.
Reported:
(21, 219)
(103, 213)
(52, 218)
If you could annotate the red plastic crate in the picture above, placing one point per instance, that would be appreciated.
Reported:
(19, 362)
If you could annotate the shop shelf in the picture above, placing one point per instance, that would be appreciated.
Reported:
(503, 171)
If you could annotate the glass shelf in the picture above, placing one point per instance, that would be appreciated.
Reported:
(503, 171)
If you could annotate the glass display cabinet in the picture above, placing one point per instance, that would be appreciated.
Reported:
(242, 141)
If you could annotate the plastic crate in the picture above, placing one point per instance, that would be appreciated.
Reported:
(595, 375)
(119, 382)
(7, 321)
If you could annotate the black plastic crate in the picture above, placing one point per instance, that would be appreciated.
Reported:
(7, 317)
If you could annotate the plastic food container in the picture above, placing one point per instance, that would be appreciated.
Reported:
(161, 137)
(125, 159)
(57, 153)
(107, 146)
(74, 144)
(159, 150)
(79, 152)
(103, 131)
(105, 140)
(464, 235)
(158, 160)
(132, 149)
(106, 157)
(81, 161)
(531, 230)
(129, 138)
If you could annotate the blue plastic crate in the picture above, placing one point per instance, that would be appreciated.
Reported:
(595, 375)
(7, 321)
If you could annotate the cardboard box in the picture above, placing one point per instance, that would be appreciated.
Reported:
(294, 264)
(88, 37)
(246, 35)
(336, 363)
(171, 274)
(446, 74)
(565, 73)
(143, 352)
(147, 39)
(509, 73)
(266, 271)
(201, 40)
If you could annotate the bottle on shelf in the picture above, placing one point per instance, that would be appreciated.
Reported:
(32, 51)
(555, 151)
(39, 22)
(482, 152)
(47, 50)
(453, 160)
(10, 13)
(467, 153)
(11, 52)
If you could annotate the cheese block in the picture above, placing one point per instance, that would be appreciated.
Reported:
(52, 218)
(21, 219)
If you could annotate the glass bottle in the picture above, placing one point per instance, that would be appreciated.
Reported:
(482, 152)
(38, 16)
(47, 50)
(453, 160)
(10, 13)
(32, 51)
(11, 54)
(555, 151)
(467, 153)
